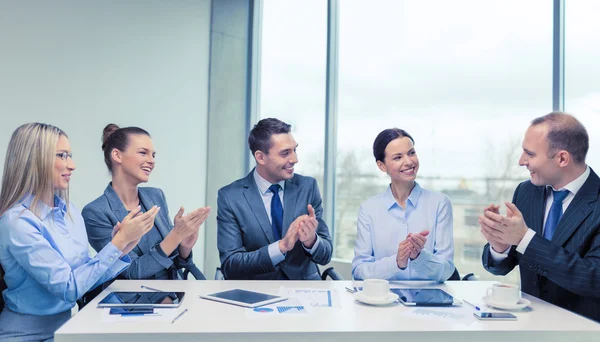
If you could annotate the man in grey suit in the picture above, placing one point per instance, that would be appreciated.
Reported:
(269, 223)
(558, 254)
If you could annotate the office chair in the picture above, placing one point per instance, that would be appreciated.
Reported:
(195, 271)
(456, 276)
(330, 272)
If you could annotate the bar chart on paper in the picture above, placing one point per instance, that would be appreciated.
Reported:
(313, 297)
(283, 309)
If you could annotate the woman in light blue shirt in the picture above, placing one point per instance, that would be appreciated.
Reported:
(405, 233)
(43, 241)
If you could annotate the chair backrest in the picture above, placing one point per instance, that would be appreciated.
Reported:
(218, 274)
(2, 288)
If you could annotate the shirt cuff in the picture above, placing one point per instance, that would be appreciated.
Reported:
(314, 247)
(497, 257)
(275, 254)
(525, 241)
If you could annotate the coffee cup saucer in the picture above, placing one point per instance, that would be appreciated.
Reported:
(522, 304)
(390, 298)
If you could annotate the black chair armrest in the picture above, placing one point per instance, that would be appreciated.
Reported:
(195, 271)
(331, 273)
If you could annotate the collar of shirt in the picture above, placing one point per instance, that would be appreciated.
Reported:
(576, 184)
(44, 209)
(263, 185)
(413, 198)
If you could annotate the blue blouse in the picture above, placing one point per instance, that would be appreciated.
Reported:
(46, 259)
(383, 224)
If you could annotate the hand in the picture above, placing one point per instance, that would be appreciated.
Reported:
(404, 249)
(307, 231)
(134, 226)
(503, 231)
(189, 242)
(417, 242)
(289, 240)
(130, 245)
(188, 225)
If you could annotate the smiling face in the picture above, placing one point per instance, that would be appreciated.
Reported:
(542, 169)
(401, 162)
(63, 164)
(137, 161)
(278, 163)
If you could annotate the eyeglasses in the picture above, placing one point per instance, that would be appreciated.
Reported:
(64, 155)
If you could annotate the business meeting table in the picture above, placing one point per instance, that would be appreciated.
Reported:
(352, 321)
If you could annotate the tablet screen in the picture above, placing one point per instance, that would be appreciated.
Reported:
(425, 297)
(148, 299)
(244, 297)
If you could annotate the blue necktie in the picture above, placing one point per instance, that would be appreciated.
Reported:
(276, 211)
(555, 213)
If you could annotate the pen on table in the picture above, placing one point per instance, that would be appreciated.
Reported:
(151, 288)
(473, 305)
(179, 316)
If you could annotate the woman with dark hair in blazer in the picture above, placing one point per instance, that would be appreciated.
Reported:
(129, 155)
(43, 242)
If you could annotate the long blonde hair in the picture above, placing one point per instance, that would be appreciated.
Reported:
(29, 166)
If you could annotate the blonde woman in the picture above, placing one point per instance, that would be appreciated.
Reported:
(43, 240)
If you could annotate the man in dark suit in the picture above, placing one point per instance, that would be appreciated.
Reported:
(269, 223)
(552, 227)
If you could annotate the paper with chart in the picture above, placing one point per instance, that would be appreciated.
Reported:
(453, 314)
(291, 307)
(313, 297)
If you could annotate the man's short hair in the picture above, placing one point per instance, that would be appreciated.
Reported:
(565, 132)
(260, 135)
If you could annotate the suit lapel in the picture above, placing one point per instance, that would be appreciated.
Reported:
(255, 202)
(577, 211)
(159, 221)
(539, 203)
(115, 203)
(290, 196)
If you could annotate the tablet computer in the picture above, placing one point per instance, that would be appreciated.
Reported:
(424, 297)
(244, 298)
(142, 299)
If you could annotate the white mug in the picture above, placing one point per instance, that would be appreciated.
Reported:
(504, 293)
(376, 288)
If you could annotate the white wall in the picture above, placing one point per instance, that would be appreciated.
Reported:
(81, 65)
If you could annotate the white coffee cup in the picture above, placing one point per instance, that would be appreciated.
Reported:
(504, 293)
(376, 288)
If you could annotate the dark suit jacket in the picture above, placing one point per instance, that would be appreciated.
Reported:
(244, 231)
(148, 261)
(566, 270)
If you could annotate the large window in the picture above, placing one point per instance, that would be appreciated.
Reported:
(463, 78)
(582, 75)
(293, 63)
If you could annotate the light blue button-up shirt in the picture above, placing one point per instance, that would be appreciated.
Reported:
(266, 195)
(383, 224)
(46, 258)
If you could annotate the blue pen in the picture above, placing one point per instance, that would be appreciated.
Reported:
(473, 305)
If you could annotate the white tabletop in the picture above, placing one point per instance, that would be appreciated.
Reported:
(354, 321)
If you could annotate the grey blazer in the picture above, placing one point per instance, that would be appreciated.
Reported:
(244, 231)
(148, 261)
(566, 270)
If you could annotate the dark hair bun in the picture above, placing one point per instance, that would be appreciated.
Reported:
(108, 130)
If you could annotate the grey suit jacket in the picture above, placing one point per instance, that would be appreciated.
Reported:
(244, 231)
(148, 261)
(566, 270)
